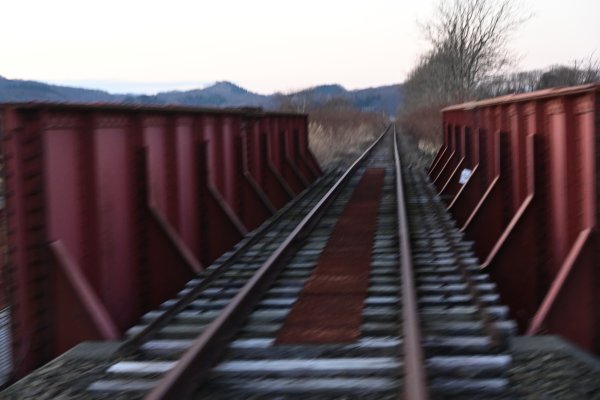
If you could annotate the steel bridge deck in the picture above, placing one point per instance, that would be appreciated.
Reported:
(459, 320)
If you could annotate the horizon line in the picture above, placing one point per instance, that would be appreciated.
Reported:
(124, 87)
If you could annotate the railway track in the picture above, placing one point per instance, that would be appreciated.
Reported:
(320, 303)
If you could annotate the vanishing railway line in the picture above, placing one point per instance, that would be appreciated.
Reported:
(361, 288)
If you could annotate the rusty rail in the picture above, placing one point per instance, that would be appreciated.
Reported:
(415, 381)
(195, 364)
(134, 342)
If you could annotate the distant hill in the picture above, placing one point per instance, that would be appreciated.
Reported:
(385, 99)
(18, 90)
(222, 94)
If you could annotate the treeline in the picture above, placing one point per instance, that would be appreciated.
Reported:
(560, 75)
(466, 61)
(338, 130)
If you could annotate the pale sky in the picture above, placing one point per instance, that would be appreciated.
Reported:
(262, 45)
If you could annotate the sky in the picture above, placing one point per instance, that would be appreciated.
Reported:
(262, 45)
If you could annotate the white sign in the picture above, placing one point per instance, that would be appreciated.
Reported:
(464, 176)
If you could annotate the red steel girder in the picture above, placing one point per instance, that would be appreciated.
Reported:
(530, 204)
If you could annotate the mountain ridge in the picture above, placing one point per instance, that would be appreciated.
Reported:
(384, 99)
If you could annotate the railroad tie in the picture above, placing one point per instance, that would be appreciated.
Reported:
(329, 307)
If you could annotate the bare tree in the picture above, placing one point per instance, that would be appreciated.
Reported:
(338, 130)
(470, 37)
(581, 72)
(517, 82)
(293, 101)
(469, 45)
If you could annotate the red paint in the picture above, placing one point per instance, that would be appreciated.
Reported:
(531, 198)
(139, 197)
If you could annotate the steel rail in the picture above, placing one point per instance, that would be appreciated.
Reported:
(415, 378)
(134, 342)
(193, 367)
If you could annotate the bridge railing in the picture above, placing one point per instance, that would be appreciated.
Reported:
(111, 209)
(521, 175)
